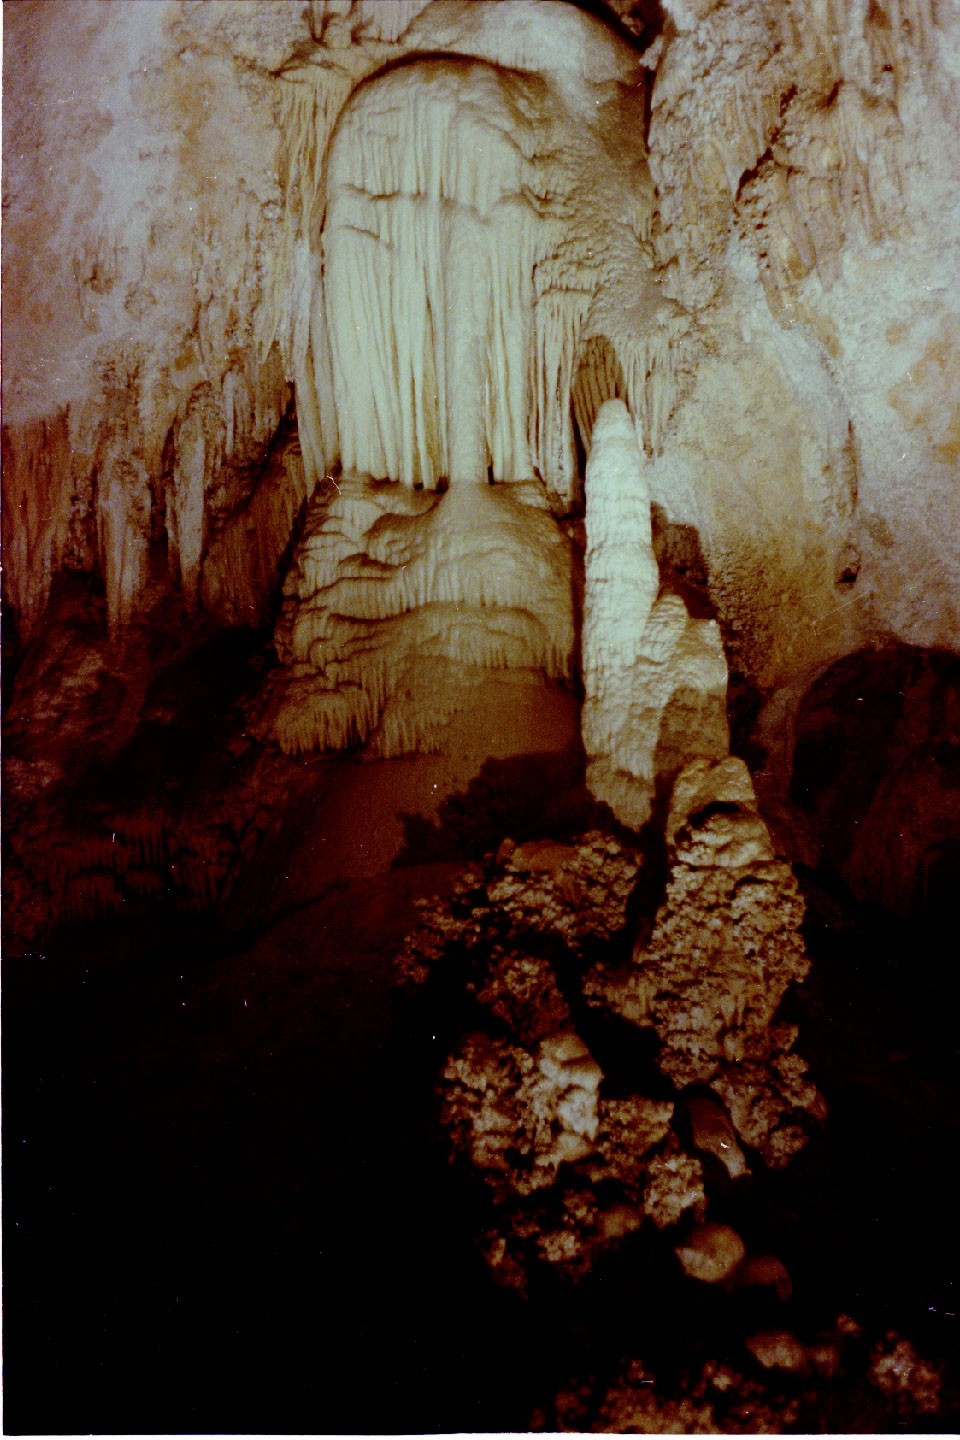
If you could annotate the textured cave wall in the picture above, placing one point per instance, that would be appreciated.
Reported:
(162, 245)
(144, 375)
(809, 223)
(803, 159)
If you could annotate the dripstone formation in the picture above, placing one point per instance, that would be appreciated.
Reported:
(508, 448)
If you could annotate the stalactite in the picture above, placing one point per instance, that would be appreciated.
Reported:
(292, 314)
(466, 204)
(37, 513)
(429, 247)
(123, 529)
(242, 566)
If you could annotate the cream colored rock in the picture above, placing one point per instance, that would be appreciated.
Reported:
(706, 782)
(711, 1253)
(408, 614)
(566, 1061)
(142, 384)
(630, 1130)
(482, 247)
(166, 282)
(654, 679)
(166, 184)
(813, 216)
(503, 1102)
(732, 841)
(724, 948)
(674, 1185)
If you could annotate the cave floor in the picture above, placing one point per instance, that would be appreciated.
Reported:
(229, 1208)
(224, 1212)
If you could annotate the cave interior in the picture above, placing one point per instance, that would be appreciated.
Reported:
(481, 716)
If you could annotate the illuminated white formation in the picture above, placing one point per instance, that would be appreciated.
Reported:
(486, 273)
(482, 244)
(654, 679)
(402, 606)
(429, 249)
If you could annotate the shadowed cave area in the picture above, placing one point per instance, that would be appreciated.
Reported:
(481, 717)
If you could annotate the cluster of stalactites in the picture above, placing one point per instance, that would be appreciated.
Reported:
(479, 241)
(113, 491)
(799, 135)
(429, 248)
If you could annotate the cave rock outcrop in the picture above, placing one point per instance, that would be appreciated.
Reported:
(724, 948)
(419, 622)
(655, 678)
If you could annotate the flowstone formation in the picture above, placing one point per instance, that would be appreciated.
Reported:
(488, 274)
(409, 616)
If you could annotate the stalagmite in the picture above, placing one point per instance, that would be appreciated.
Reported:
(654, 679)
(725, 947)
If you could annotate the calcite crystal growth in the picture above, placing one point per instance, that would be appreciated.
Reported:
(573, 1164)
(572, 1172)
(523, 1114)
(487, 266)
(577, 892)
(527, 895)
(725, 947)
(654, 677)
(404, 610)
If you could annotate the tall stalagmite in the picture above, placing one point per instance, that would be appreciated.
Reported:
(654, 678)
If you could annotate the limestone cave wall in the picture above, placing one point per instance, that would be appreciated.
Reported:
(800, 215)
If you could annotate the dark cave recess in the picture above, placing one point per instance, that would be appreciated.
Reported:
(229, 1206)
(877, 772)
